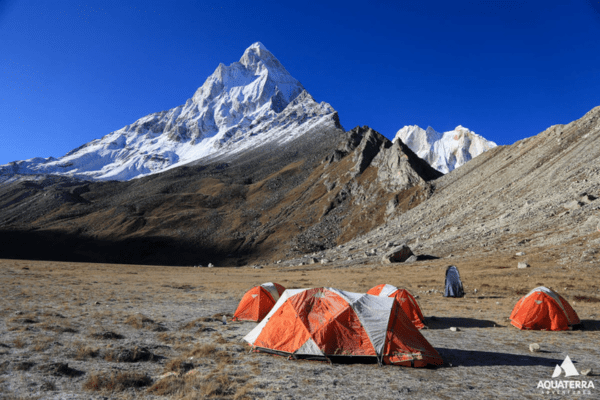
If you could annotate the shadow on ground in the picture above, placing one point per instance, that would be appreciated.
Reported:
(590, 325)
(445, 323)
(68, 247)
(474, 358)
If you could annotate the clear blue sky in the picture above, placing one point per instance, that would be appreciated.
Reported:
(73, 71)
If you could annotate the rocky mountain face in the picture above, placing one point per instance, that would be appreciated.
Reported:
(247, 104)
(539, 197)
(446, 151)
(277, 201)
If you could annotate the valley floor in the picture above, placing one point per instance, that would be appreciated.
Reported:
(71, 331)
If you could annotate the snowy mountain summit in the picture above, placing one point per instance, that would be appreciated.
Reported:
(249, 103)
(446, 151)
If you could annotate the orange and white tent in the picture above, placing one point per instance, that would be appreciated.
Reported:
(258, 301)
(407, 302)
(326, 323)
(543, 309)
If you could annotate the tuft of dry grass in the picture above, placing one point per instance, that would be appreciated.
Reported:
(193, 324)
(24, 319)
(59, 369)
(586, 299)
(177, 341)
(170, 386)
(42, 343)
(244, 392)
(117, 382)
(209, 351)
(58, 326)
(129, 355)
(204, 350)
(48, 386)
(178, 365)
(106, 335)
(140, 321)
(84, 352)
(23, 366)
(219, 338)
(213, 385)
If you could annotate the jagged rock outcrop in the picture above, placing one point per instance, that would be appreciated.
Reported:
(399, 168)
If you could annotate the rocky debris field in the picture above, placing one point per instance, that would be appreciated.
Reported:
(75, 330)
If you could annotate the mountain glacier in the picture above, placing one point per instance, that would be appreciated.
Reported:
(241, 106)
(446, 151)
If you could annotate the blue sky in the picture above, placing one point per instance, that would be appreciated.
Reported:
(73, 71)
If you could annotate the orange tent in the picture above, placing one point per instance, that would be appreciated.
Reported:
(543, 309)
(258, 301)
(326, 323)
(407, 302)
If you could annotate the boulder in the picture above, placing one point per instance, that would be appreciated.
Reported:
(397, 254)
(522, 265)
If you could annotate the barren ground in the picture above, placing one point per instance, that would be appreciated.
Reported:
(74, 330)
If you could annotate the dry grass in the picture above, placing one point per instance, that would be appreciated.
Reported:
(58, 324)
(129, 355)
(170, 386)
(197, 323)
(219, 385)
(586, 299)
(117, 382)
(106, 335)
(140, 321)
(176, 340)
(23, 366)
(203, 351)
(42, 343)
(221, 366)
(178, 365)
(84, 352)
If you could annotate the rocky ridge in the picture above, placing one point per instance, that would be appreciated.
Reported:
(539, 193)
(274, 201)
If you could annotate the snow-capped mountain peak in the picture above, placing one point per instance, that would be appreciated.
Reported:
(239, 106)
(446, 151)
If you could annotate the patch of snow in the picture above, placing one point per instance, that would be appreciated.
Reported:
(446, 151)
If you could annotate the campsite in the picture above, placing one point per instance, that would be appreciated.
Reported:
(126, 331)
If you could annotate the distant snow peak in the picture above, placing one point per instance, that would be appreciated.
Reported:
(245, 104)
(446, 151)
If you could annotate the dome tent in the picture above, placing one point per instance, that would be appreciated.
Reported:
(405, 298)
(453, 286)
(258, 301)
(543, 309)
(326, 323)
